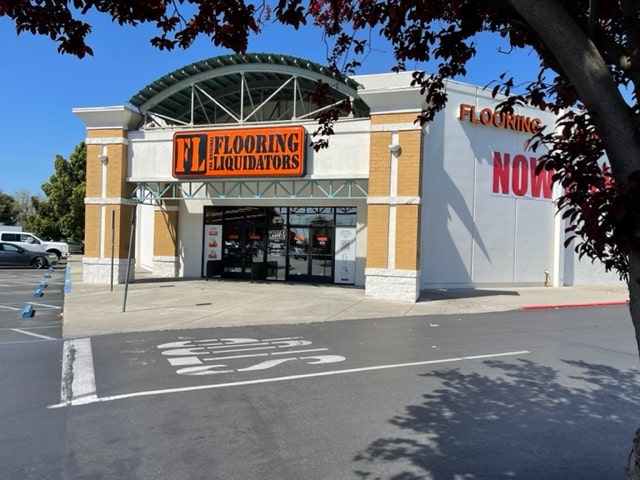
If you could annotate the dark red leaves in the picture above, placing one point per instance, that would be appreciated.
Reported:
(603, 215)
(290, 12)
(227, 22)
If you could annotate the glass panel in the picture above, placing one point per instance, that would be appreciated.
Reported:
(254, 214)
(277, 215)
(232, 250)
(277, 241)
(321, 251)
(276, 249)
(233, 214)
(298, 251)
(346, 216)
(255, 244)
(311, 216)
(213, 215)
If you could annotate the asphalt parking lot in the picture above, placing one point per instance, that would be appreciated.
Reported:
(31, 303)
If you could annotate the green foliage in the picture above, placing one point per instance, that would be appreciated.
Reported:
(61, 214)
(8, 209)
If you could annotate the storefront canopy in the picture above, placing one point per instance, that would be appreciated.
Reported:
(242, 88)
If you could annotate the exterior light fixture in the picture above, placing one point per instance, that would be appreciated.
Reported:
(103, 158)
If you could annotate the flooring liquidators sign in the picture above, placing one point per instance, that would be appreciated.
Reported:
(248, 152)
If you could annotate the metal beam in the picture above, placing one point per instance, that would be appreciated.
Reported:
(271, 189)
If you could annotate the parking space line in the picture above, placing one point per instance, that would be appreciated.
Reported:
(35, 327)
(47, 305)
(93, 398)
(37, 335)
(78, 378)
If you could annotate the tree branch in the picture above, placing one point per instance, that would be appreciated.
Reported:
(586, 69)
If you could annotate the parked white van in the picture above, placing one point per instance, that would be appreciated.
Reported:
(60, 249)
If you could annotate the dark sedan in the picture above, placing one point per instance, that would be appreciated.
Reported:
(16, 256)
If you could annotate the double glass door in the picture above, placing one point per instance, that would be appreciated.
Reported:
(310, 253)
(243, 254)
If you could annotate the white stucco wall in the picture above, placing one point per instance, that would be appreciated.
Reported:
(470, 235)
(190, 228)
(144, 248)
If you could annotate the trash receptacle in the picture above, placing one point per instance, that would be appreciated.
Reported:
(214, 268)
(259, 271)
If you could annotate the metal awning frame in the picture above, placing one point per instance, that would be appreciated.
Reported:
(271, 189)
(242, 89)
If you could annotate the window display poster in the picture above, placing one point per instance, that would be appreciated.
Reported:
(212, 243)
(345, 250)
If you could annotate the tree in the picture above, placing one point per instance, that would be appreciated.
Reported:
(588, 52)
(8, 209)
(61, 214)
(24, 207)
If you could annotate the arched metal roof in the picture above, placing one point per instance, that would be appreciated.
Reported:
(243, 88)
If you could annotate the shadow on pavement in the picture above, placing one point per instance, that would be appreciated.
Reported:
(524, 423)
(450, 293)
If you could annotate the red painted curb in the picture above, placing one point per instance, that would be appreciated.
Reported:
(574, 305)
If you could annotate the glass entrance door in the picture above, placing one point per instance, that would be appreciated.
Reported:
(243, 252)
(321, 264)
(310, 254)
(298, 253)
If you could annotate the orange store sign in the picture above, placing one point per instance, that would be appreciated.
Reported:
(249, 152)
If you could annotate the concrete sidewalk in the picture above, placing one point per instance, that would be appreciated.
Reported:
(153, 304)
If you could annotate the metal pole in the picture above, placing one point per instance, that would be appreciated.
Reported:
(131, 238)
(113, 243)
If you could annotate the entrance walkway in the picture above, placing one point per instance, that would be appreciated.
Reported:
(152, 304)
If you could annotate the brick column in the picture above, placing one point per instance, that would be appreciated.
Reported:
(393, 223)
(108, 209)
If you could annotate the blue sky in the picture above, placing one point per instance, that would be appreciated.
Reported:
(41, 87)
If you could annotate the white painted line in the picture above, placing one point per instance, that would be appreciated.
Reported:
(176, 361)
(33, 334)
(308, 350)
(94, 399)
(46, 306)
(78, 377)
(10, 308)
(33, 328)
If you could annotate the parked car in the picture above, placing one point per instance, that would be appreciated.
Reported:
(75, 246)
(12, 255)
(30, 241)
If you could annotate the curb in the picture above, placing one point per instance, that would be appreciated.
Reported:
(575, 305)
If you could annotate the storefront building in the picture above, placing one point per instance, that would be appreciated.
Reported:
(209, 172)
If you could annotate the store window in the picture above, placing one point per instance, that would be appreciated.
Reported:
(346, 216)
(278, 243)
